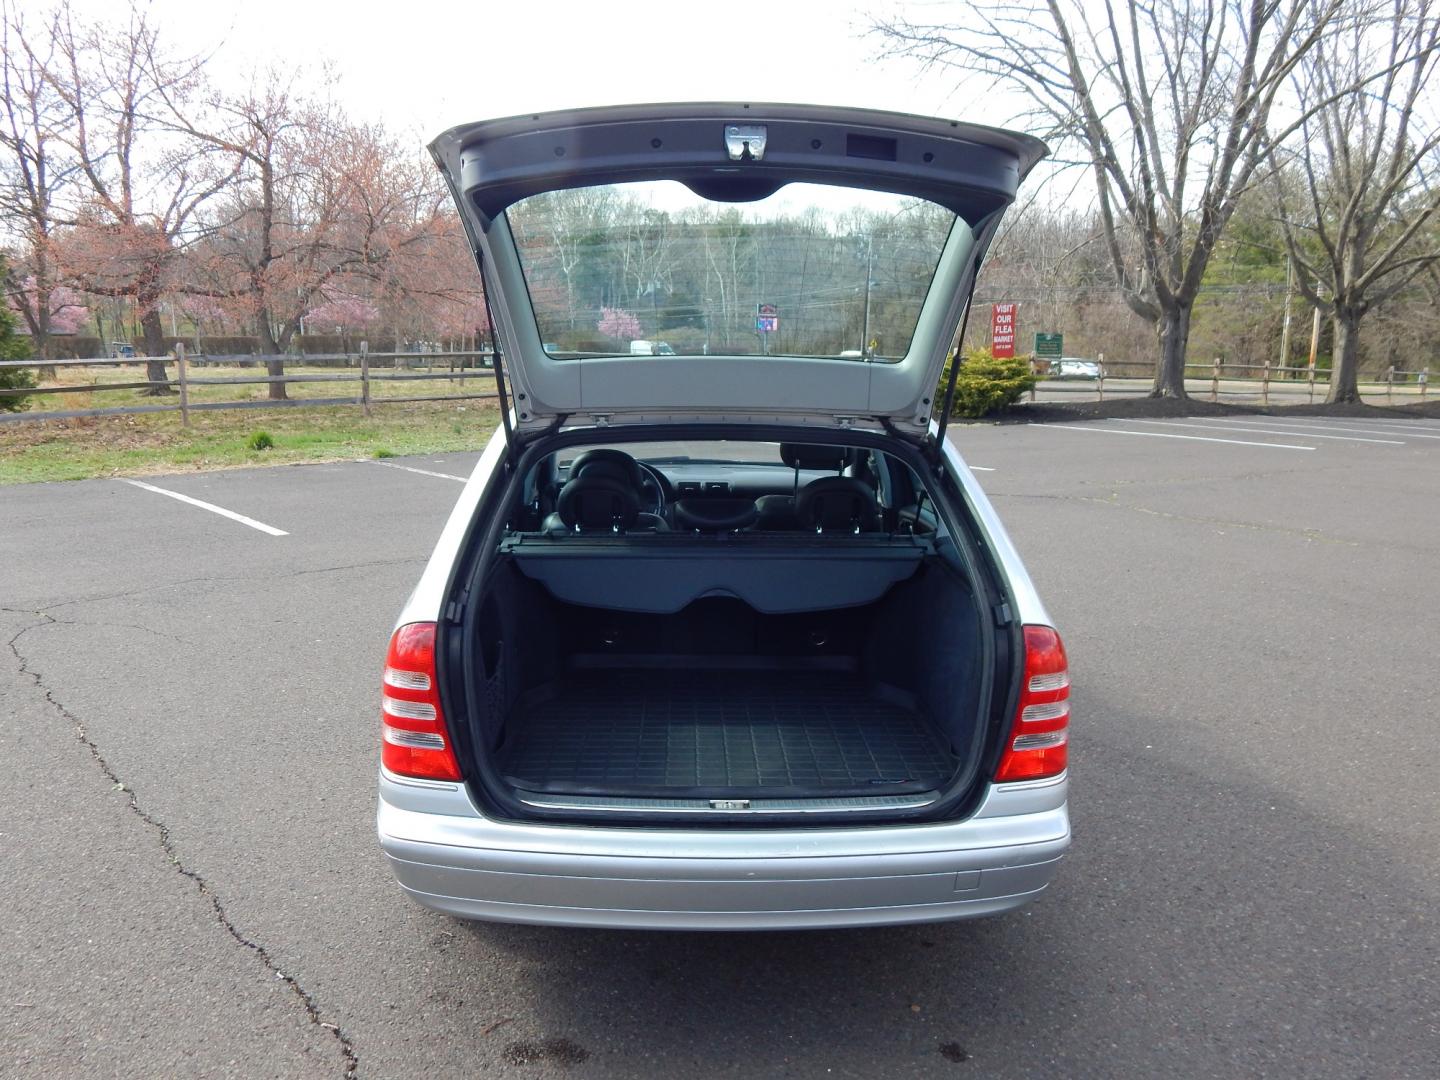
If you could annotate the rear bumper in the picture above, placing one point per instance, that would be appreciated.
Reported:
(449, 858)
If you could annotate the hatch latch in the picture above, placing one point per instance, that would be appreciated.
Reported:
(745, 142)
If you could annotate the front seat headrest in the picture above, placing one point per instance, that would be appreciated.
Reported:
(814, 456)
(605, 461)
(596, 501)
(838, 504)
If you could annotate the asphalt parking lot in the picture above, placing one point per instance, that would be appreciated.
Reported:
(1252, 609)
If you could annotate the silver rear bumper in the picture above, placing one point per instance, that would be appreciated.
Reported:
(450, 858)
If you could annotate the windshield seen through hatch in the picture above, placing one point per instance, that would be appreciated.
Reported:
(652, 269)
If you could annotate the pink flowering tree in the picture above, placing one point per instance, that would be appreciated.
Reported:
(345, 310)
(66, 313)
(618, 323)
(207, 312)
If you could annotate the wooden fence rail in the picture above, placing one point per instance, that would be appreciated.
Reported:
(361, 367)
(1397, 386)
(393, 367)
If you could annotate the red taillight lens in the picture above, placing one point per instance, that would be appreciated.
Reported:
(1039, 735)
(414, 739)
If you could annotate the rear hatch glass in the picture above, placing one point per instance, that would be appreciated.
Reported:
(652, 268)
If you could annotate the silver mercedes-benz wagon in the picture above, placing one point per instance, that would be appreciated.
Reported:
(725, 635)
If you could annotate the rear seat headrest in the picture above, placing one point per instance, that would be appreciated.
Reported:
(597, 501)
(814, 456)
(838, 504)
(607, 461)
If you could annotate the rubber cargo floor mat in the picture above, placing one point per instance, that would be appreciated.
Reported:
(621, 730)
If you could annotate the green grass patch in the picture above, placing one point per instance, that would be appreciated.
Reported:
(139, 445)
(261, 440)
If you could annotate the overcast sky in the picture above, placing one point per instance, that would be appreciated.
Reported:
(425, 65)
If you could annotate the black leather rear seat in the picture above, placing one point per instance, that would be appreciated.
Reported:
(602, 495)
(836, 503)
(777, 512)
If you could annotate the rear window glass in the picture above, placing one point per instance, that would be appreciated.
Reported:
(652, 269)
(716, 451)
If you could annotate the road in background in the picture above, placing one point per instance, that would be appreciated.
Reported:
(1231, 391)
(1251, 619)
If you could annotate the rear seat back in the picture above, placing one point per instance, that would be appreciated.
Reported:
(838, 504)
(778, 512)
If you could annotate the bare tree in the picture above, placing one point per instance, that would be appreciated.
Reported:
(570, 220)
(35, 171)
(274, 238)
(1355, 220)
(397, 226)
(1169, 103)
(144, 187)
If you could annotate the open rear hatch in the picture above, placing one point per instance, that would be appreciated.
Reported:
(727, 272)
(702, 262)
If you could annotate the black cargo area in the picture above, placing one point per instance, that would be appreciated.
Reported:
(678, 732)
(727, 687)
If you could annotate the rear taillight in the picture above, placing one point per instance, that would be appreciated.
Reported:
(1039, 736)
(415, 742)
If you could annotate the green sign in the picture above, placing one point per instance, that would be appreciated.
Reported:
(1051, 346)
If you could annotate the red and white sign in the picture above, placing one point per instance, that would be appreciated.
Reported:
(1002, 330)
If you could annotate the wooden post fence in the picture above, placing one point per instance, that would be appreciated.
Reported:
(1215, 380)
(365, 377)
(181, 369)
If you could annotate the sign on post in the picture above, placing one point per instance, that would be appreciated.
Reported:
(1049, 346)
(1002, 330)
(767, 318)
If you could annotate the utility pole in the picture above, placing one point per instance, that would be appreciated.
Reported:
(1285, 326)
(865, 325)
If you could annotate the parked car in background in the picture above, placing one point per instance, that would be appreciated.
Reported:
(651, 348)
(1072, 367)
(716, 640)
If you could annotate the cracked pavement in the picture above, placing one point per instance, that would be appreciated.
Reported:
(192, 884)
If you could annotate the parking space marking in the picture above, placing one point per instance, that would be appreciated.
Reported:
(421, 472)
(1299, 424)
(1168, 435)
(1411, 425)
(231, 514)
(1268, 431)
(981, 468)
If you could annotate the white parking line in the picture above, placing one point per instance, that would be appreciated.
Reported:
(981, 468)
(1267, 431)
(1299, 424)
(420, 472)
(231, 514)
(1167, 435)
(1418, 425)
